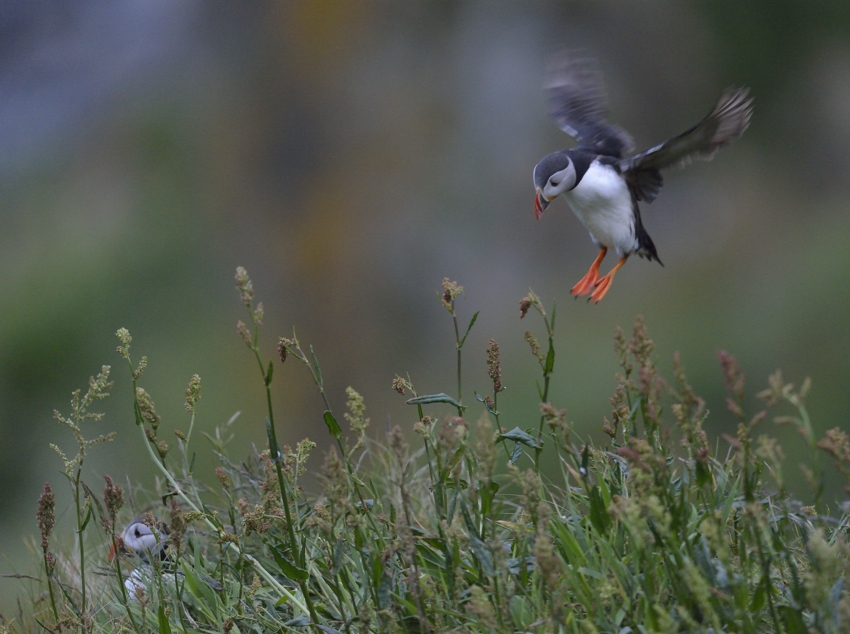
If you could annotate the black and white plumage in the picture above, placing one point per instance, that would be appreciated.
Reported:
(601, 184)
(140, 540)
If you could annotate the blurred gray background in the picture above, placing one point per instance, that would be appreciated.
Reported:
(351, 155)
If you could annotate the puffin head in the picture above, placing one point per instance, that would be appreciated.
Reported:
(140, 539)
(553, 175)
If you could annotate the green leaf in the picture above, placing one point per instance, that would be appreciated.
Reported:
(482, 554)
(377, 570)
(269, 374)
(488, 493)
(287, 567)
(518, 435)
(703, 474)
(468, 328)
(793, 620)
(480, 399)
(516, 453)
(759, 599)
(521, 612)
(550, 358)
(479, 548)
(385, 587)
(598, 514)
(457, 482)
(434, 398)
(164, 627)
(87, 519)
(635, 407)
(339, 550)
(92, 498)
(572, 549)
(333, 426)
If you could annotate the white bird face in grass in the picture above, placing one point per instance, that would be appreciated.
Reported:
(139, 539)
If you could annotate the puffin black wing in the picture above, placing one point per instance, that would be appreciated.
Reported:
(578, 105)
(724, 124)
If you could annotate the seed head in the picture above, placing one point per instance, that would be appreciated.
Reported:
(177, 524)
(223, 479)
(243, 331)
(837, 444)
(45, 514)
(450, 291)
(534, 344)
(732, 374)
(193, 393)
(400, 384)
(147, 408)
(494, 370)
(124, 337)
(113, 499)
(244, 286)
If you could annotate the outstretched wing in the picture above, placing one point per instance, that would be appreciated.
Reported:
(578, 105)
(724, 124)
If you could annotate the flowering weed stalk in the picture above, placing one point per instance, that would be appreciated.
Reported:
(83, 502)
(547, 361)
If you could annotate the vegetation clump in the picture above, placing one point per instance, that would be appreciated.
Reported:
(657, 529)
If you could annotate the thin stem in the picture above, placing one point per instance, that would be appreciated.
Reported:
(810, 437)
(274, 448)
(316, 374)
(117, 561)
(80, 540)
(50, 588)
(548, 366)
(459, 345)
(498, 423)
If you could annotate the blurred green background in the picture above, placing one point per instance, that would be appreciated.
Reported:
(351, 155)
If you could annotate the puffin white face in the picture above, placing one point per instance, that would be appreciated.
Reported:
(140, 539)
(553, 175)
(559, 182)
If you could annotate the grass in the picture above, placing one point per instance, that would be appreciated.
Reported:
(659, 529)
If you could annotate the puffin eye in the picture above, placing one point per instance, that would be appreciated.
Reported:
(138, 533)
(553, 182)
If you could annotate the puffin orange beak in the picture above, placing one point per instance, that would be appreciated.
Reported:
(116, 548)
(540, 204)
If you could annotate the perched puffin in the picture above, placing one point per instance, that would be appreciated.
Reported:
(138, 539)
(600, 182)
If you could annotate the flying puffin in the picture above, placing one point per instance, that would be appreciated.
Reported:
(600, 182)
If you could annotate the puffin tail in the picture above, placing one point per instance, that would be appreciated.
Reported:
(646, 247)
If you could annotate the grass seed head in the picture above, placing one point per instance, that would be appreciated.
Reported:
(46, 515)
